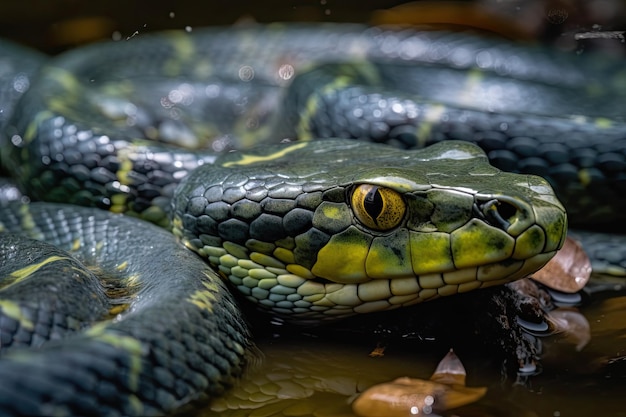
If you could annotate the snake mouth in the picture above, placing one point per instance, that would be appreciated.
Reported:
(296, 294)
(317, 299)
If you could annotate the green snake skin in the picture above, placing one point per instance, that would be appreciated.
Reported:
(289, 233)
(74, 138)
(151, 361)
(307, 230)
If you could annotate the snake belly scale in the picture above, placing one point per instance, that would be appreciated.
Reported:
(310, 231)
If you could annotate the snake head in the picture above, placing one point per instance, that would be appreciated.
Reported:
(332, 228)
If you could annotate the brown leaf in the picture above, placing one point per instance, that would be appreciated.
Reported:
(568, 271)
(409, 396)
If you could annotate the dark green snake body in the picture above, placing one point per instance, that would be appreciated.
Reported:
(309, 230)
(148, 362)
(531, 110)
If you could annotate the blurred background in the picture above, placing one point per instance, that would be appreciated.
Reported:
(55, 25)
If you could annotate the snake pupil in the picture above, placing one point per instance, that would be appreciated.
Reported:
(379, 208)
(373, 203)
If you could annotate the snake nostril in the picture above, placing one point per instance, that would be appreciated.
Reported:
(498, 213)
(506, 211)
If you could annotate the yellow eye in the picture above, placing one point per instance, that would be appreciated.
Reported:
(378, 208)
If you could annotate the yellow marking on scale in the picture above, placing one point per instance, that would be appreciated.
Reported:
(333, 211)
(12, 310)
(119, 88)
(80, 271)
(130, 345)
(122, 266)
(33, 126)
(65, 78)
(119, 201)
(22, 273)
(135, 404)
(203, 68)
(64, 101)
(177, 230)
(583, 177)
(432, 117)
(473, 79)
(204, 299)
(603, 122)
(118, 309)
(253, 159)
(76, 244)
(184, 51)
(99, 246)
(126, 166)
(312, 103)
(433, 113)
(27, 223)
(133, 281)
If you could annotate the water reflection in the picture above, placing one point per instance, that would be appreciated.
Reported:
(321, 378)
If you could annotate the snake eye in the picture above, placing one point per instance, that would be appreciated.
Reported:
(378, 208)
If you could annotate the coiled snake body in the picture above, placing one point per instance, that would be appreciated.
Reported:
(308, 230)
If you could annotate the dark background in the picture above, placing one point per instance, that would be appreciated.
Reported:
(55, 25)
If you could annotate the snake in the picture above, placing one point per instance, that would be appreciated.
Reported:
(308, 230)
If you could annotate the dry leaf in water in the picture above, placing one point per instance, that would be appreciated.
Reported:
(409, 396)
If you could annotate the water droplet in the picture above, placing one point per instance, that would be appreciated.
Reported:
(246, 73)
(21, 83)
(286, 71)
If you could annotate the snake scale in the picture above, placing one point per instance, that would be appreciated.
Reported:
(308, 230)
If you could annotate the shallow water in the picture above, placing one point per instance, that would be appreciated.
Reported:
(301, 376)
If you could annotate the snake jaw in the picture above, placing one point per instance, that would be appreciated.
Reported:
(296, 294)
(299, 294)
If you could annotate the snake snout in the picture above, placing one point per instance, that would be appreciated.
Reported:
(503, 212)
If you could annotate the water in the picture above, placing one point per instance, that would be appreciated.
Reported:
(305, 376)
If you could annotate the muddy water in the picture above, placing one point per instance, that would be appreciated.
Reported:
(303, 376)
